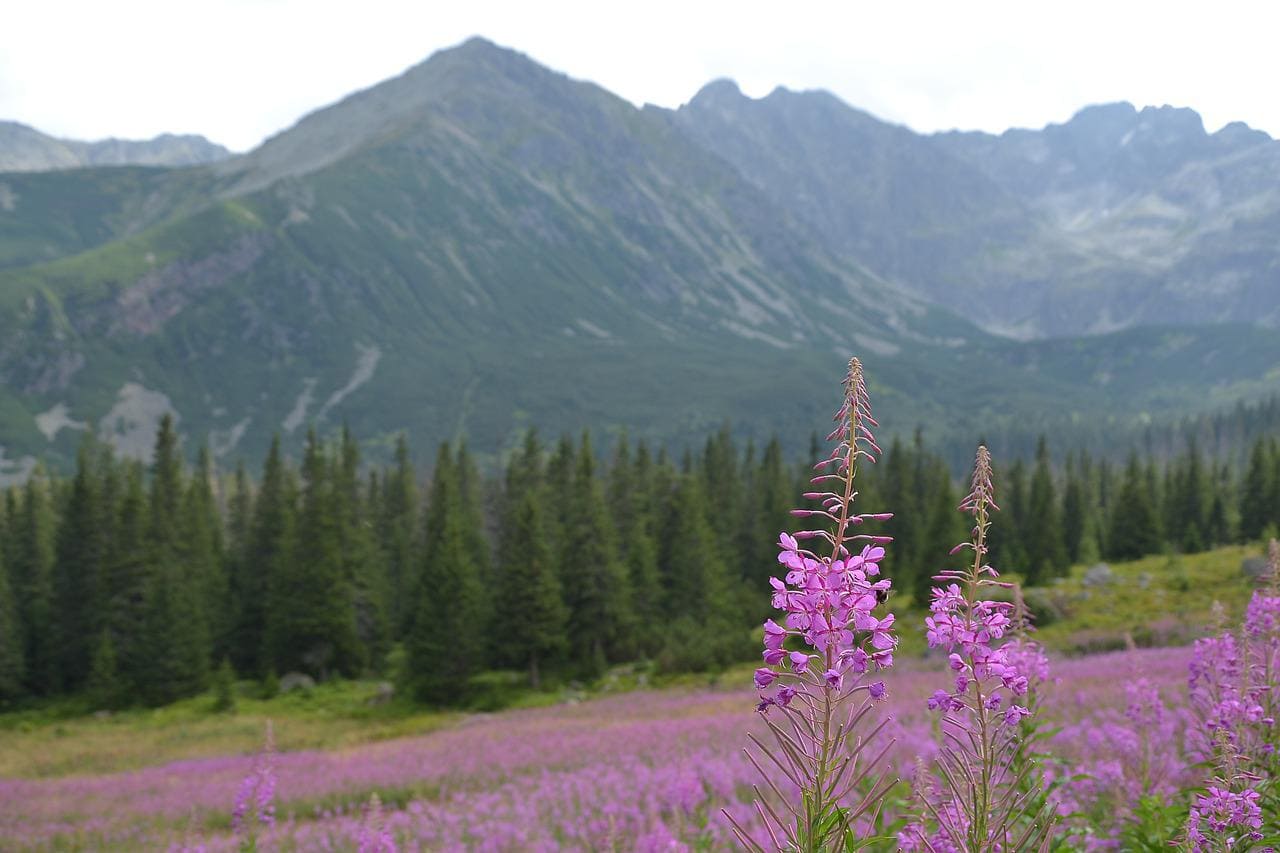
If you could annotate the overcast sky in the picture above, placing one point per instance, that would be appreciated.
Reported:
(240, 70)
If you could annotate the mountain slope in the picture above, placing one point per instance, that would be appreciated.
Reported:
(482, 245)
(1116, 219)
(25, 149)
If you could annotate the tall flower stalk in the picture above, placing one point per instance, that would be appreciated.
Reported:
(820, 785)
(1231, 681)
(991, 798)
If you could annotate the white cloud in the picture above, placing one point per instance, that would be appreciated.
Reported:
(239, 70)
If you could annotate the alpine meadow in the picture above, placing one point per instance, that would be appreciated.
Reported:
(488, 462)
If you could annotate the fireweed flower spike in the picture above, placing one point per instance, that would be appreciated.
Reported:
(1231, 679)
(815, 697)
(257, 793)
(989, 795)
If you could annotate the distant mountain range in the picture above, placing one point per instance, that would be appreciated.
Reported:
(483, 244)
(25, 149)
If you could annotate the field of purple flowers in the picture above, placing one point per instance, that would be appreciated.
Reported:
(642, 771)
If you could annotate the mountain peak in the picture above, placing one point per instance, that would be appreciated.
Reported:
(719, 92)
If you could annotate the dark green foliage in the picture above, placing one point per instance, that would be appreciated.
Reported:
(260, 584)
(311, 622)
(12, 666)
(447, 643)
(105, 687)
(1256, 504)
(224, 688)
(1135, 526)
(80, 571)
(591, 567)
(31, 579)
(1042, 537)
(601, 627)
(696, 582)
(532, 614)
(397, 527)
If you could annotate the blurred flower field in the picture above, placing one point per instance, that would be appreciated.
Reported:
(638, 771)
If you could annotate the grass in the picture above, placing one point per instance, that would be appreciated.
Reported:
(1160, 600)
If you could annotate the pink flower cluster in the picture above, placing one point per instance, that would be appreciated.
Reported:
(1222, 812)
(825, 601)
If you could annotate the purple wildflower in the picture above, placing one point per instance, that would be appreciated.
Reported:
(828, 594)
(984, 709)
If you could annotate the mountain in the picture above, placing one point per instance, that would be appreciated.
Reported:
(483, 244)
(1116, 219)
(25, 149)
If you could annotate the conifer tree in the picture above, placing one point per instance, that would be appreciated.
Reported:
(1075, 514)
(363, 565)
(447, 641)
(32, 579)
(104, 686)
(1135, 527)
(699, 598)
(80, 568)
(175, 636)
(595, 583)
(129, 576)
(533, 616)
(1042, 531)
(1255, 496)
(258, 581)
(202, 554)
(398, 525)
(12, 668)
(312, 621)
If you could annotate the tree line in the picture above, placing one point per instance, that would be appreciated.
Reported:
(129, 584)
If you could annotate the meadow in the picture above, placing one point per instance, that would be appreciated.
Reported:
(616, 767)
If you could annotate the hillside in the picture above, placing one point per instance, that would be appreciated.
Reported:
(483, 244)
(25, 149)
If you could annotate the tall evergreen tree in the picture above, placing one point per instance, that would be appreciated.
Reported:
(532, 614)
(312, 621)
(258, 584)
(363, 565)
(1255, 497)
(128, 582)
(32, 575)
(701, 628)
(398, 526)
(1075, 514)
(595, 583)
(1135, 527)
(80, 569)
(12, 667)
(447, 642)
(1042, 532)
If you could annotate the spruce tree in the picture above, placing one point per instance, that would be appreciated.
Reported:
(1255, 496)
(104, 685)
(258, 583)
(1042, 537)
(698, 592)
(532, 614)
(1075, 514)
(595, 582)
(398, 526)
(312, 620)
(175, 629)
(128, 578)
(447, 640)
(80, 569)
(12, 667)
(1135, 526)
(32, 578)
(363, 564)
